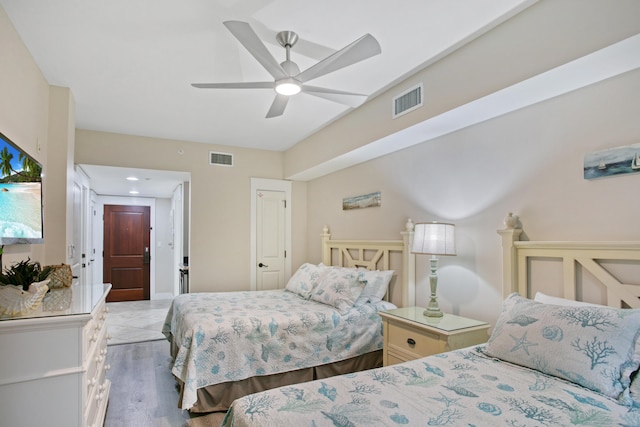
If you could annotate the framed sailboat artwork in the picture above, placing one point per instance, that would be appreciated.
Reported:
(613, 161)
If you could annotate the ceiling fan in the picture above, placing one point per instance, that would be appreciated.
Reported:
(288, 80)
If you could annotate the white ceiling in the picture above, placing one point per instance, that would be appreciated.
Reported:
(129, 63)
(117, 181)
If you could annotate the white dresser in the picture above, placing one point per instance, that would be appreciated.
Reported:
(52, 362)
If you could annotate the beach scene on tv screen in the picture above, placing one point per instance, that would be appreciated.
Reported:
(20, 194)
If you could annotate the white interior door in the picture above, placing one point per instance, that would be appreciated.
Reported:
(270, 239)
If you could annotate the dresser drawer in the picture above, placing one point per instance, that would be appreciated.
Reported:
(93, 330)
(94, 415)
(97, 385)
(95, 364)
(412, 341)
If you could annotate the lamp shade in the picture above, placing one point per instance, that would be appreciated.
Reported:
(435, 238)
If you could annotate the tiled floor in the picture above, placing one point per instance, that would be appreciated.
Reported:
(136, 321)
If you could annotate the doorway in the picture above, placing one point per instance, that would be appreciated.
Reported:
(158, 189)
(127, 252)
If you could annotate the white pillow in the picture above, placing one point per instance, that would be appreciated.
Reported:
(548, 299)
(377, 284)
(305, 279)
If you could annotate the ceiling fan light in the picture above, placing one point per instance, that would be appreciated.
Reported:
(288, 87)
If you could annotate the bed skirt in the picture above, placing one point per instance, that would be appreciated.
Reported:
(218, 397)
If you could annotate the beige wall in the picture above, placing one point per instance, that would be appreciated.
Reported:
(59, 177)
(31, 111)
(548, 34)
(529, 162)
(220, 197)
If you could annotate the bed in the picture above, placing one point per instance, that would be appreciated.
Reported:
(230, 344)
(552, 359)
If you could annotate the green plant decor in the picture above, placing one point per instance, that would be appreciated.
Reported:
(24, 273)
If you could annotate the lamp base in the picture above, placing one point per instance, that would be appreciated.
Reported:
(432, 308)
(432, 312)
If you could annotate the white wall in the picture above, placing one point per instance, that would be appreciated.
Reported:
(529, 162)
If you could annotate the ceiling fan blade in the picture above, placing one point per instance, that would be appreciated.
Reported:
(278, 106)
(348, 98)
(239, 85)
(361, 49)
(250, 40)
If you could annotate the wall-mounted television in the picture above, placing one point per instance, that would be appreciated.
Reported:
(21, 214)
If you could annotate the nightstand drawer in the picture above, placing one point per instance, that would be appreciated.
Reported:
(394, 359)
(409, 335)
(409, 340)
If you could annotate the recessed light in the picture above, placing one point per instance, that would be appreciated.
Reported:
(134, 192)
(132, 178)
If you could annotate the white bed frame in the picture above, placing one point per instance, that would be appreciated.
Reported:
(376, 255)
(516, 262)
(590, 256)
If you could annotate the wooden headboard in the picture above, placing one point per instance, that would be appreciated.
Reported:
(579, 260)
(377, 255)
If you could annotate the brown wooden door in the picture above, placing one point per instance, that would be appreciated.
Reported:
(126, 252)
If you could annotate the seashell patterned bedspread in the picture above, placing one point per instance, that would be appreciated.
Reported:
(458, 388)
(231, 336)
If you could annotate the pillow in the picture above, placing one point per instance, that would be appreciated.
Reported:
(384, 306)
(339, 288)
(634, 387)
(548, 299)
(377, 283)
(305, 279)
(589, 345)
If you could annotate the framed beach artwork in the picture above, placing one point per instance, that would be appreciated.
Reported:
(364, 201)
(614, 161)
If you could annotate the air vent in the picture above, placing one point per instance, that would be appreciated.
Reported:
(220, 159)
(407, 101)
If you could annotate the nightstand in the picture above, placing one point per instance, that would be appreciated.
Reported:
(408, 334)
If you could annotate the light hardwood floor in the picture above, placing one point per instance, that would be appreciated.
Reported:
(143, 390)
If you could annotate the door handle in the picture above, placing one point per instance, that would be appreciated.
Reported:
(262, 265)
(146, 258)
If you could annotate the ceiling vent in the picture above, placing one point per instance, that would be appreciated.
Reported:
(407, 101)
(220, 159)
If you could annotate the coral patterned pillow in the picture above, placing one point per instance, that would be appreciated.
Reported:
(339, 288)
(305, 279)
(591, 346)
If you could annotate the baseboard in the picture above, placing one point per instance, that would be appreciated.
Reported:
(165, 295)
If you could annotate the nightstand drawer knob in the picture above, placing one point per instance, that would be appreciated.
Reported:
(411, 341)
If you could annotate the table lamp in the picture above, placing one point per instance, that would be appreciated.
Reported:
(433, 238)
